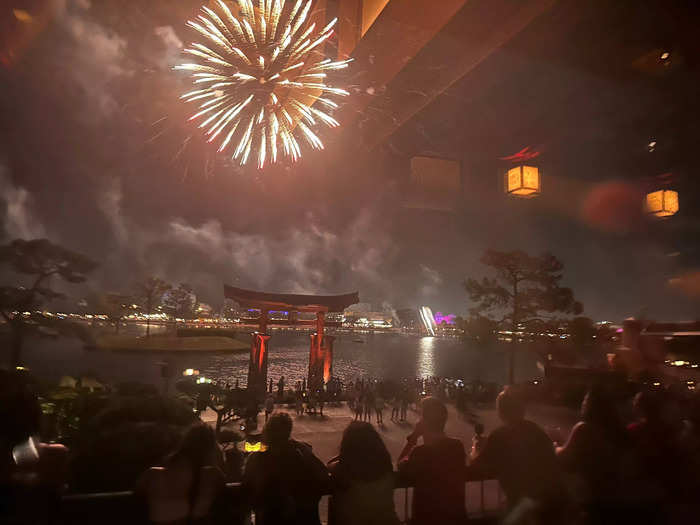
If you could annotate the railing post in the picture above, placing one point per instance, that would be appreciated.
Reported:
(405, 505)
(482, 496)
(81, 508)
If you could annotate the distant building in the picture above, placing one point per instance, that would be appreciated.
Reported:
(441, 318)
(366, 315)
(204, 310)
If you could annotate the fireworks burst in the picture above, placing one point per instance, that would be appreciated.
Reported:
(259, 77)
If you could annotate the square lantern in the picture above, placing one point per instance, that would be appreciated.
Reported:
(662, 203)
(523, 181)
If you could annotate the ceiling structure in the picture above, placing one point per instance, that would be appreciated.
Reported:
(499, 75)
(605, 90)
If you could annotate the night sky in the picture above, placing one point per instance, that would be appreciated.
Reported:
(96, 155)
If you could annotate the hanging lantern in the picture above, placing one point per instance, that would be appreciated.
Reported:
(662, 203)
(523, 181)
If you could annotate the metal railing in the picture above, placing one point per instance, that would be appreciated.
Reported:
(484, 500)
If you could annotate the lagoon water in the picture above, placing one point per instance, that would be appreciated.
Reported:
(385, 355)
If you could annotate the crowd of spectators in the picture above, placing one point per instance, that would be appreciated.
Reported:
(645, 469)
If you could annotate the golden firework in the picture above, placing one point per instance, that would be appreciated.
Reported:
(260, 77)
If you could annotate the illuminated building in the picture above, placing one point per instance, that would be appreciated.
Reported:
(447, 318)
(250, 314)
(337, 318)
(362, 315)
(278, 315)
(204, 310)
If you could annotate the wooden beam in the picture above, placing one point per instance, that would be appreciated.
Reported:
(404, 79)
(400, 31)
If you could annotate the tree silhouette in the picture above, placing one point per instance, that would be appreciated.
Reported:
(149, 294)
(524, 288)
(41, 259)
(181, 302)
(115, 306)
(479, 328)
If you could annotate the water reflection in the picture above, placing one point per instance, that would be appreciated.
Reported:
(392, 356)
(425, 363)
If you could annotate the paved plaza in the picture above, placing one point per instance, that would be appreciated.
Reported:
(324, 434)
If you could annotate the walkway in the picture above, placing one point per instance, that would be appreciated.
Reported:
(324, 434)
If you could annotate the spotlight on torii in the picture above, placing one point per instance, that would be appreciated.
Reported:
(321, 352)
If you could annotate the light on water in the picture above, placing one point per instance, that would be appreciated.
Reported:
(375, 355)
(425, 365)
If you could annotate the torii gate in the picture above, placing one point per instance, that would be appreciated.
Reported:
(321, 351)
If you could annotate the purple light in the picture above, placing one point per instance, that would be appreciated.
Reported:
(447, 319)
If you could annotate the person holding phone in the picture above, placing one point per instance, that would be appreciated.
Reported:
(520, 455)
(435, 468)
(32, 473)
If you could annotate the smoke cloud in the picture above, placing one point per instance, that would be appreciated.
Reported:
(95, 58)
(19, 220)
(307, 257)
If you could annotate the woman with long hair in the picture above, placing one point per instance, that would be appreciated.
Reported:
(596, 452)
(363, 479)
(183, 490)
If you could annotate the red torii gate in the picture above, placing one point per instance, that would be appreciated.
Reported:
(321, 352)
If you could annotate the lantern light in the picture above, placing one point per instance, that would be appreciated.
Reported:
(254, 446)
(523, 181)
(662, 203)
